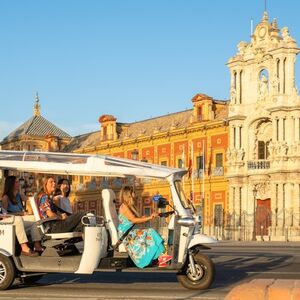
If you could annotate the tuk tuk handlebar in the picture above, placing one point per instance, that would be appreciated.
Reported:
(166, 214)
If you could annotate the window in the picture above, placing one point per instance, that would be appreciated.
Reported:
(199, 113)
(199, 162)
(219, 160)
(218, 216)
(180, 163)
(163, 163)
(263, 151)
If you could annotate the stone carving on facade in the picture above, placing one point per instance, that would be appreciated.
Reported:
(233, 95)
(294, 149)
(285, 33)
(275, 84)
(263, 189)
(240, 154)
(263, 88)
(272, 150)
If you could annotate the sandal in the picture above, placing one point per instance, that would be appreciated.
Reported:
(40, 250)
(29, 253)
(163, 260)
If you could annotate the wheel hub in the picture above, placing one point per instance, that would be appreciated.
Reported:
(2, 272)
(200, 271)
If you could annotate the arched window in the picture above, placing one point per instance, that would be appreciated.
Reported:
(277, 74)
(234, 79)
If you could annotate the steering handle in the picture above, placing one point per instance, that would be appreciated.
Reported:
(166, 214)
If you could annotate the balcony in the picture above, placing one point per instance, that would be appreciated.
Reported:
(218, 171)
(258, 164)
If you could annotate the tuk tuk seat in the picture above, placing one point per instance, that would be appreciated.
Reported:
(55, 236)
(111, 216)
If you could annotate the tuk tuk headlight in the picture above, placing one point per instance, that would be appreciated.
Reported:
(186, 221)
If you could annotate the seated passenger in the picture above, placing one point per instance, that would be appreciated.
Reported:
(12, 203)
(61, 196)
(143, 245)
(20, 232)
(60, 222)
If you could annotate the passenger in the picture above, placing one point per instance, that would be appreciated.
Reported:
(60, 222)
(12, 203)
(143, 245)
(61, 196)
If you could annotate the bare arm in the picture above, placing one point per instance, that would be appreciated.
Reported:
(132, 218)
(5, 206)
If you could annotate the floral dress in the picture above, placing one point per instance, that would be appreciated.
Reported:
(143, 245)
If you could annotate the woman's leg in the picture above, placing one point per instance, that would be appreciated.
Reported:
(71, 223)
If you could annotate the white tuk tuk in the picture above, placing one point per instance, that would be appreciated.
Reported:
(102, 247)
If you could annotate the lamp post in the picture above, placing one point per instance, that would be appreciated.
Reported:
(254, 213)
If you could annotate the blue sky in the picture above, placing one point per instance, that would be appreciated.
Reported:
(134, 59)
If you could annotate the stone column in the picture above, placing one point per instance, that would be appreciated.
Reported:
(280, 213)
(296, 129)
(289, 203)
(231, 136)
(290, 130)
(238, 87)
(274, 129)
(280, 129)
(273, 209)
(296, 205)
(237, 135)
(281, 76)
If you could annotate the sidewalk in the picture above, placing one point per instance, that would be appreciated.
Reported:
(254, 244)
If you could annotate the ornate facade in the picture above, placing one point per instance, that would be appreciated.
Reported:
(36, 134)
(185, 139)
(264, 149)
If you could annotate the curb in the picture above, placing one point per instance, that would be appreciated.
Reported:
(266, 289)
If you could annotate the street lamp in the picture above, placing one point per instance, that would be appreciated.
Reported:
(254, 213)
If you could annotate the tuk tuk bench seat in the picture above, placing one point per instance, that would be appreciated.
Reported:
(40, 224)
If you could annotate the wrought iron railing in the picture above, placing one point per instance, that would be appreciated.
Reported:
(258, 164)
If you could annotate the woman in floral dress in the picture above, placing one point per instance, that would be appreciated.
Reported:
(143, 245)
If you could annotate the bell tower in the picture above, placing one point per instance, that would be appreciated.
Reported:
(265, 67)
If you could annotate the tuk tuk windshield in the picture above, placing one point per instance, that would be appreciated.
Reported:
(181, 194)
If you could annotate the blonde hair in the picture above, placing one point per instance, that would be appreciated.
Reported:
(127, 198)
(44, 190)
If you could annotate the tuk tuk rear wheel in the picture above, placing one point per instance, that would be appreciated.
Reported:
(205, 273)
(7, 272)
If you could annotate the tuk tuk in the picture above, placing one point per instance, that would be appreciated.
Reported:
(102, 247)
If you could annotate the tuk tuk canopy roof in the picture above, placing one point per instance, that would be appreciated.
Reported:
(82, 164)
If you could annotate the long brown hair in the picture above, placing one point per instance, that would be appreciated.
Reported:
(59, 183)
(127, 198)
(9, 187)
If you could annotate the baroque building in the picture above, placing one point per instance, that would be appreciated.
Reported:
(195, 139)
(264, 149)
(36, 134)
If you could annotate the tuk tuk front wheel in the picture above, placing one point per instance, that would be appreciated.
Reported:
(205, 273)
(7, 272)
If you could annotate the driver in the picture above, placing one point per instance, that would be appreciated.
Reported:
(143, 245)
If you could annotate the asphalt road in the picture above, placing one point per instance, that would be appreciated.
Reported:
(235, 263)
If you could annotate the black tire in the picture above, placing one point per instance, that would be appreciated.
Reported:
(205, 273)
(7, 272)
(31, 279)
